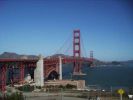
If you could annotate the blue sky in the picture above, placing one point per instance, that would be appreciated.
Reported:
(42, 26)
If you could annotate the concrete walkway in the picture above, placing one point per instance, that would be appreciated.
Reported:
(54, 98)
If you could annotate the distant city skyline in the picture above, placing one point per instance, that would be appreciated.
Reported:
(42, 26)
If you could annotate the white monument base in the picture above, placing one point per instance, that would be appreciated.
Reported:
(39, 73)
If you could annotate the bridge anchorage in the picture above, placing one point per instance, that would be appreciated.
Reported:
(43, 68)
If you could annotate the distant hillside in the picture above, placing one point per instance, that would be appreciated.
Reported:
(17, 56)
(96, 62)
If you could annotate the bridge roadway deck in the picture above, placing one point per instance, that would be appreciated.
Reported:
(47, 61)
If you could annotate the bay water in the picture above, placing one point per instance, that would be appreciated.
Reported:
(103, 76)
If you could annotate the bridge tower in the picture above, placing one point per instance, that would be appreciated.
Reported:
(91, 58)
(76, 52)
(91, 55)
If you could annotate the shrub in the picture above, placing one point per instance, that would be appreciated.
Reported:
(69, 86)
(14, 96)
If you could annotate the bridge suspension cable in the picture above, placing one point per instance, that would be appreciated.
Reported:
(66, 46)
(83, 50)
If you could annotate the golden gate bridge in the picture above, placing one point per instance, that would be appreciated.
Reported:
(49, 64)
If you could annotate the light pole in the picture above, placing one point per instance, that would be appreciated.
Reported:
(61, 94)
(111, 92)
